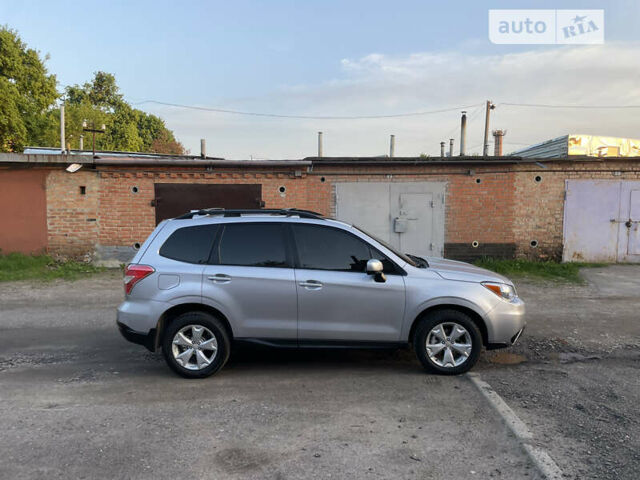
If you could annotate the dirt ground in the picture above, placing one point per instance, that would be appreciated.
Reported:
(578, 388)
(77, 401)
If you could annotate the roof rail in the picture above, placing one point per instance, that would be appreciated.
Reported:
(237, 212)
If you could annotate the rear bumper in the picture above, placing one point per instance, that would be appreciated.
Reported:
(146, 339)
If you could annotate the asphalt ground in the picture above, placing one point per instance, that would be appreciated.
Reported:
(77, 401)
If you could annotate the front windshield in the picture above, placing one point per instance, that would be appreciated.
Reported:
(389, 247)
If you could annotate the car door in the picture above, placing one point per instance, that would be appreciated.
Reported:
(251, 279)
(337, 300)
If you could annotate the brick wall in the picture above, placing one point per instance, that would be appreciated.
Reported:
(72, 216)
(539, 202)
(502, 207)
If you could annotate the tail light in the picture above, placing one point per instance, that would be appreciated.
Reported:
(133, 274)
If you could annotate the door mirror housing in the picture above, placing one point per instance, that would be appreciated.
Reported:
(375, 268)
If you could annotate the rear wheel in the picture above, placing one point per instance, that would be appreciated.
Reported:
(447, 342)
(196, 345)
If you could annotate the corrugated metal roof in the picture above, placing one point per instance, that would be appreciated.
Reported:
(577, 145)
(554, 148)
(110, 153)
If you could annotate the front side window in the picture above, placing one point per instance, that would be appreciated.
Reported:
(190, 244)
(251, 245)
(323, 248)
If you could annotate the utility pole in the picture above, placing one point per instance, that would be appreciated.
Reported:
(485, 145)
(93, 130)
(463, 133)
(62, 139)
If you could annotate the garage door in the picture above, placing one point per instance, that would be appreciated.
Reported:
(410, 216)
(174, 199)
(23, 211)
(602, 221)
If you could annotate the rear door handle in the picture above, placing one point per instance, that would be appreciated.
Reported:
(219, 278)
(311, 284)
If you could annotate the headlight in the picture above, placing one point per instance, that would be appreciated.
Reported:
(504, 290)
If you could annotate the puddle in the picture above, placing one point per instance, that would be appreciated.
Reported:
(505, 358)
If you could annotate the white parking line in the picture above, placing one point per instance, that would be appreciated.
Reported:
(541, 459)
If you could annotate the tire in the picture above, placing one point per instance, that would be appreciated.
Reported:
(201, 333)
(464, 348)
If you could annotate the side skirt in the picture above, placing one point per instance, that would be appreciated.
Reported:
(313, 343)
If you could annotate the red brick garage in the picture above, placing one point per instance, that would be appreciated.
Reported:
(495, 206)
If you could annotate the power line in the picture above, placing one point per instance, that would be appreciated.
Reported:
(540, 105)
(308, 117)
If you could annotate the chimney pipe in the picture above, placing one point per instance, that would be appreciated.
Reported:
(441, 149)
(463, 133)
(319, 144)
(485, 144)
(451, 147)
(392, 146)
(81, 145)
(62, 139)
(498, 136)
(203, 148)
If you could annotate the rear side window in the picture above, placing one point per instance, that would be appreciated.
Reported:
(190, 244)
(322, 248)
(252, 245)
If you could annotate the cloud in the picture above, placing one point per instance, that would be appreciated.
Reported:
(383, 84)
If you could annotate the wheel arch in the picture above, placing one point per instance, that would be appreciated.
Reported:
(169, 315)
(474, 315)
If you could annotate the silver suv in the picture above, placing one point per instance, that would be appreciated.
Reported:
(292, 278)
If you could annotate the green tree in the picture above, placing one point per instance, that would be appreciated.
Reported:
(28, 115)
(27, 93)
(100, 102)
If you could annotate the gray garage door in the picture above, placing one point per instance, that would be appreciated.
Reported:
(410, 216)
(602, 221)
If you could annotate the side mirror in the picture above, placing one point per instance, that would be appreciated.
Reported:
(375, 267)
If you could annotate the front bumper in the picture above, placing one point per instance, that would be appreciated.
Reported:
(505, 324)
(147, 339)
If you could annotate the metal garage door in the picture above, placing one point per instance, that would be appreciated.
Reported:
(602, 221)
(174, 199)
(410, 216)
(23, 211)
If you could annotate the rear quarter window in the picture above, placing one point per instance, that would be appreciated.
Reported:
(190, 244)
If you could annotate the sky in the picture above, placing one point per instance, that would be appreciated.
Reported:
(339, 58)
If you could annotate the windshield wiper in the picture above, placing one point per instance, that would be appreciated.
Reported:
(420, 262)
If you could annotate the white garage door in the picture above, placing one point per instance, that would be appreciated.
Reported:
(602, 221)
(409, 216)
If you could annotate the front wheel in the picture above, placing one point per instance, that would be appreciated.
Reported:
(196, 345)
(447, 342)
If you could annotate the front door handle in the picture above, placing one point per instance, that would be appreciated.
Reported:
(311, 284)
(219, 278)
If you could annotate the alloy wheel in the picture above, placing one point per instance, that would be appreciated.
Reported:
(194, 347)
(449, 345)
